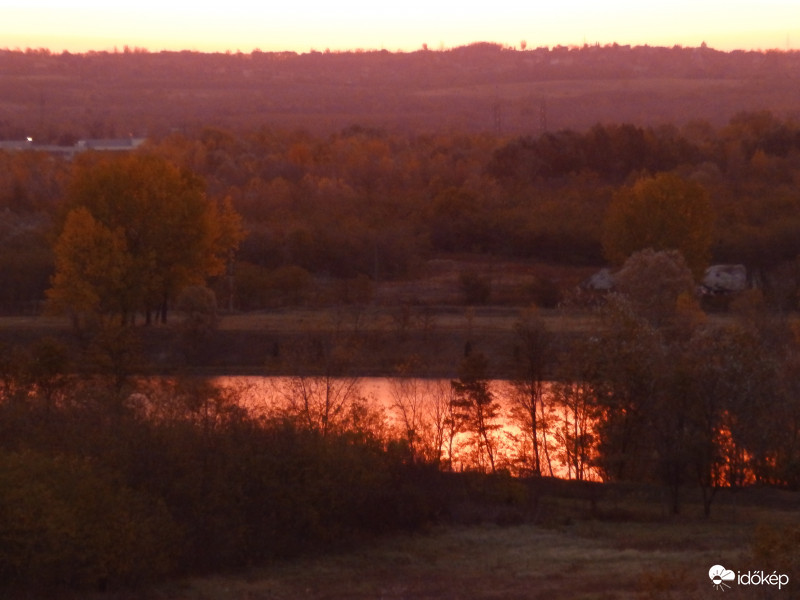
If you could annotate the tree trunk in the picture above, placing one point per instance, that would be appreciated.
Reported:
(164, 311)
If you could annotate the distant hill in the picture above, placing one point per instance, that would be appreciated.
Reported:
(475, 88)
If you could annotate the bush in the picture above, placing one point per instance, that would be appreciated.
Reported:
(476, 289)
(775, 549)
(257, 287)
(544, 292)
(61, 524)
(251, 286)
(289, 285)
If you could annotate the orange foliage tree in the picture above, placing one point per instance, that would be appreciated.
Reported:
(663, 212)
(137, 231)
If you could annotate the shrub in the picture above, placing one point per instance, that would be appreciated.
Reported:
(775, 548)
(475, 288)
(545, 292)
(289, 285)
(252, 285)
(61, 524)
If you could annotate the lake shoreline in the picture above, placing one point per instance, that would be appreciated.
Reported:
(367, 343)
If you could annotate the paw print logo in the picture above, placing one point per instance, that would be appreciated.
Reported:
(719, 575)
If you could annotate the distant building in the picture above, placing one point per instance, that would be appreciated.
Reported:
(15, 145)
(724, 279)
(602, 281)
(110, 144)
(99, 145)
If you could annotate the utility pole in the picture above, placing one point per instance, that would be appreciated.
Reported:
(41, 113)
(497, 116)
(543, 117)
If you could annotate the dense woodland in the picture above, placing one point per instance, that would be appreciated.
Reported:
(364, 203)
(108, 478)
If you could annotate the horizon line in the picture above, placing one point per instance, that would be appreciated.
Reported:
(424, 47)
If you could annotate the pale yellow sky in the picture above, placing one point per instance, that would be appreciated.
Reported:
(350, 24)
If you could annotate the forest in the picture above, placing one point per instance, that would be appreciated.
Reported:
(364, 203)
(120, 466)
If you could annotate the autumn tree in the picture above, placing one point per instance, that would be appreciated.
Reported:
(626, 368)
(663, 212)
(641, 399)
(91, 265)
(660, 288)
(739, 418)
(459, 222)
(679, 399)
(137, 231)
(26, 261)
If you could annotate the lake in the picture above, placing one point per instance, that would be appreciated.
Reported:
(423, 413)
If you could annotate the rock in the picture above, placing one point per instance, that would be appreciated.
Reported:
(724, 279)
(602, 281)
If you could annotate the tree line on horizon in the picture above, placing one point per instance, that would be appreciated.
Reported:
(60, 98)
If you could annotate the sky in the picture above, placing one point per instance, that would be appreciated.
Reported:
(405, 25)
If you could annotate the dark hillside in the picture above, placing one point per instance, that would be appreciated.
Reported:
(482, 87)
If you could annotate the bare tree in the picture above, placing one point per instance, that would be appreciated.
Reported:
(424, 411)
(320, 402)
(444, 425)
(408, 398)
(324, 393)
(574, 431)
(533, 355)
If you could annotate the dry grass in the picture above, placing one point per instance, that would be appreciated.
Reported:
(384, 319)
(36, 323)
(388, 336)
(582, 560)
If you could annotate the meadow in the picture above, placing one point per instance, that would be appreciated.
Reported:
(629, 550)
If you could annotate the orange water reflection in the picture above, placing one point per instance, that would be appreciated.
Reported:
(417, 410)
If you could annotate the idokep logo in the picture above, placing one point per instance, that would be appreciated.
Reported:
(720, 578)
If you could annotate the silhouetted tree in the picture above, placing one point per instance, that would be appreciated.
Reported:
(529, 407)
(476, 406)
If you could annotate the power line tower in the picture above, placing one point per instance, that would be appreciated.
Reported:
(497, 117)
(543, 117)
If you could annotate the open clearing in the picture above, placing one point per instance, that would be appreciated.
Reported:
(662, 557)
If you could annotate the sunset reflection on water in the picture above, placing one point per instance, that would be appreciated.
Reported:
(416, 410)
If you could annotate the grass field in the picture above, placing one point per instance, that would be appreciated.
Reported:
(386, 336)
(646, 557)
(385, 319)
